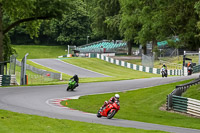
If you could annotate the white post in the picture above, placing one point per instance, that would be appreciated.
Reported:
(185, 71)
(199, 56)
(68, 49)
(25, 63)
(23, 70)
(87, 39)
(184, 65)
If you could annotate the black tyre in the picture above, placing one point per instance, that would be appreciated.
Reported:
(190, 73)
(162, 75)
(111, 114)
(98, 114)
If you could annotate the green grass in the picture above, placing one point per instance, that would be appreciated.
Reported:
(11, 122)
(193, 92)
(64, 76)
(116, 72)
(39, 51)
(139, 105)
(34, 79)
(37, 79)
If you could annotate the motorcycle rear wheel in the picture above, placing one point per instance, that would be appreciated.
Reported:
(111, 114)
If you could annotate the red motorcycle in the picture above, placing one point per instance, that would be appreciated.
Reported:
(189, 71)
(110, 110)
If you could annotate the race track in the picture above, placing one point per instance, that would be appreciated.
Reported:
(67, 68)
(37, 100)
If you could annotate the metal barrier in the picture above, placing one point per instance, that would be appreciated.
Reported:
(196, 69)
(182, 104)
(137, 67)
(186, 105)
(42, 72)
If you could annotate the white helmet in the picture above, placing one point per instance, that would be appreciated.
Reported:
(117, 96)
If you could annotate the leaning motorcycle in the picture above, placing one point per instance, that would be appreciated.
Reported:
(109, 111)
(189, 71)
(71, 85)
(164, 72)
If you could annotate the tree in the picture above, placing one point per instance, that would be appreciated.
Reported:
(8, 50)
(197, 9)
(151, 21)
(182, 22)
(129, 25)
(72, 28)
(106, 19)
(29, 13)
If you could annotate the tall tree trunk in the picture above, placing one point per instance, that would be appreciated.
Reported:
(154, 44)
(129, 44)
(1, 34)
(144, 47)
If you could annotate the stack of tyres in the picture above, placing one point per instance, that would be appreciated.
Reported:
(6, 80)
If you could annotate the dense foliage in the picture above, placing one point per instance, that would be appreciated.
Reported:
(69, 23)
(28, 14)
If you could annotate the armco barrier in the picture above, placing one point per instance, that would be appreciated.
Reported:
(137, 67)
(196, 69)
(182, 104)
(186, 105)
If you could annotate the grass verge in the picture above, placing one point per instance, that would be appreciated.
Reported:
(45, 51)
(193, 92)
(139, 105)
(64, 76)
(11, 122)
(116, 72)
(35, 79)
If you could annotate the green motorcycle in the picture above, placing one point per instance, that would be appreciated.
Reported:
(71, 85)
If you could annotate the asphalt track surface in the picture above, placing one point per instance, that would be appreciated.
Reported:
(41, 100)
(67, 68)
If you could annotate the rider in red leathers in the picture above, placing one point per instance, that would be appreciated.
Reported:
(112, 100)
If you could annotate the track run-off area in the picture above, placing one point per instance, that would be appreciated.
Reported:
(45, 100)
(41, 100)
(67, 68)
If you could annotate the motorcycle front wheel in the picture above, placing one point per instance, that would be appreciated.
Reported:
(98, 114)
(111, 114)
(68, 88)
